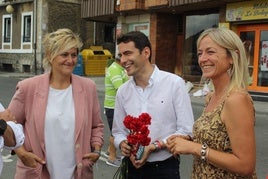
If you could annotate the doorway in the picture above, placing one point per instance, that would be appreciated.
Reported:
(255, 39)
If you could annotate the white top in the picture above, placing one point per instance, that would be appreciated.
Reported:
(59, 134)
(19, 136)
(165, 99)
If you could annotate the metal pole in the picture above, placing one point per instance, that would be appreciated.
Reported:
(34, 35)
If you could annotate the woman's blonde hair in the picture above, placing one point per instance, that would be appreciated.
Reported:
(57, 42)
(229, 40)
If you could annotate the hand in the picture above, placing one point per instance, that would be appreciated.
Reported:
(178, 144)
(29, 159)
(92, 156)
(125, 148)
(142, 161)
(7, 115)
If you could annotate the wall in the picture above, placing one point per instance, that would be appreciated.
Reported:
(63, 15)
(164, 40)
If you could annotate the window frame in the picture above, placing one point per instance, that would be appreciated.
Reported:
(25, 32)
(7, 34)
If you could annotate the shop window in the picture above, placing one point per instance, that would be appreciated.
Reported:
(263, 59)
(248, 39)
(195, 25)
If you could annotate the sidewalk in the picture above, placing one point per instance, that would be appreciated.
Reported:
(260, 106)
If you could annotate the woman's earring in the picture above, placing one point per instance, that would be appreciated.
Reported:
(230, 70)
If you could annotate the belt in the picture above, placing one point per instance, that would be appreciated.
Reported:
(164, 162)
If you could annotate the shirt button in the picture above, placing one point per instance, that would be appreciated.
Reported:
(79, 165)
(77, 146)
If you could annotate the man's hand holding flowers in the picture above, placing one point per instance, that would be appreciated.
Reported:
(136, 145)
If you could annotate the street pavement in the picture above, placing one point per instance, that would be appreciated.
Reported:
(103, 171)
(261, 107)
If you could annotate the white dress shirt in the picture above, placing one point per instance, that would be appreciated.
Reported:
(165, 99)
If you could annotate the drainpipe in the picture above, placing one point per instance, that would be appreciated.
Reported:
(34, 35)
(94, 33)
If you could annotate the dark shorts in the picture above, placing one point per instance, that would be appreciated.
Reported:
(110, 117)
(167, 169)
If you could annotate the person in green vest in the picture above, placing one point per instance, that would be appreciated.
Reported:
(115, 76)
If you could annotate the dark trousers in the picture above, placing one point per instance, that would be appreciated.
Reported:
(110, 117)
(167, 169)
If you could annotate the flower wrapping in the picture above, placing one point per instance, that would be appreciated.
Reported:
(138, 132)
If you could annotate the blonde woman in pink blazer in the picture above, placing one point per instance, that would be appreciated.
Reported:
(60, 113)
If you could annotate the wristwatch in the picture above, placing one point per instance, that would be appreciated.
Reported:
(3, 126)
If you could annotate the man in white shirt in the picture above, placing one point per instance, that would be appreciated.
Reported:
(11, 134)
(163, 96)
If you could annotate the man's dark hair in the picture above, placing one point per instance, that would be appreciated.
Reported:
(140, 40)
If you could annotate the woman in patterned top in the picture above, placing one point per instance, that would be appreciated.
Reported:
(223, 143)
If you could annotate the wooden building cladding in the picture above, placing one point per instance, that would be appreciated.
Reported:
(95, 8)
(106, 8)
(183, 2)
(125, 5)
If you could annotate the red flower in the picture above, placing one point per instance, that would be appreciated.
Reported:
(139, 131)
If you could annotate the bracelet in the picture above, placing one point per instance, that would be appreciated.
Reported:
(157, 145)
(207, 154)
(97, 152)
(204, 152)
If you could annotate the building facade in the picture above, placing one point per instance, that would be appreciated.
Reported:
(173, 27)
(23, 25)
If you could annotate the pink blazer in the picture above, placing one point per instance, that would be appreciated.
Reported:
(29, 107)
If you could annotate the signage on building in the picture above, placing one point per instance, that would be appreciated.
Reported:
(249, 10)
(264, 56)
(224, 25)
(143, 27)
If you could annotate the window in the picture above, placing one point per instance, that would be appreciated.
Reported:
(195, 24)
(109, 33)
(7, 29)
(263, 61)
(26, 27)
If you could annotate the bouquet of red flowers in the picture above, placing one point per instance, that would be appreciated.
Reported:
(138, 136)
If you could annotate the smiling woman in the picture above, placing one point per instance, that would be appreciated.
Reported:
(221, 130)
(58, 43)
(63, 110)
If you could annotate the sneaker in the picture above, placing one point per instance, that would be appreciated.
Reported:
(105, 154)
(120, 157)
(115, 163)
